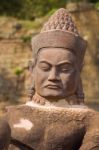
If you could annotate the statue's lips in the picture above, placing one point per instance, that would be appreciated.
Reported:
(53, 86)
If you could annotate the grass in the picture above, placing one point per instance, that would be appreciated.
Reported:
(36, 24)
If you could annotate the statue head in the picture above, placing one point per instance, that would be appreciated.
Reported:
(58, 53)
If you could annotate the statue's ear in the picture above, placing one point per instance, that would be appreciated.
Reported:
(31, 65)
(80, 93)
(81, 66)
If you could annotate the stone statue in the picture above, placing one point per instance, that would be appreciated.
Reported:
(55, 117)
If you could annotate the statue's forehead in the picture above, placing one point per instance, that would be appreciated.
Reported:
(56, 55)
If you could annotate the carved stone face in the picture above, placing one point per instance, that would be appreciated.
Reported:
(55, 73)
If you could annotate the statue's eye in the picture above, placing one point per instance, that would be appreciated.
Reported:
(65, 68)
(44, 66)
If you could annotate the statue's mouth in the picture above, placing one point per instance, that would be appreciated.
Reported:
(53, 86)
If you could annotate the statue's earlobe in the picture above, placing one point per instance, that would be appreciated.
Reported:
(31, 64)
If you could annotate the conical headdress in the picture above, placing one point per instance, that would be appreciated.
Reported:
(60, 31)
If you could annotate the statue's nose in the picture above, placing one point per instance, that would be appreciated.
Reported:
(53, 76)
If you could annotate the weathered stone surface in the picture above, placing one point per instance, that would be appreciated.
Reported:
(50, 121)
(53, 128)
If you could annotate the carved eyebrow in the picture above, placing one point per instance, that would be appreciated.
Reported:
(65, 62)
(43, 61)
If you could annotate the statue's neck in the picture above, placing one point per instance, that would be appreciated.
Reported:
(71, 100)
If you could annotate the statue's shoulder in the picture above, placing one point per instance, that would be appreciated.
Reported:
(17, 108)
(20, 117)
(19, 111)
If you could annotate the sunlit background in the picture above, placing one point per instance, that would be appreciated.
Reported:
(22, 19)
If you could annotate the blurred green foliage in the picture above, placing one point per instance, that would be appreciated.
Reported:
(26, 39)
(97, 5)
(18, 71)
(30, 9)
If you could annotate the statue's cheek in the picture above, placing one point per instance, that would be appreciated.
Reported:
(70, 82)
